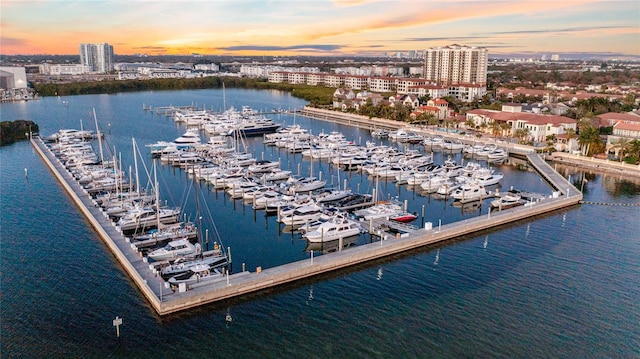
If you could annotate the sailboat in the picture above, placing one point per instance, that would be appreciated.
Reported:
(203, 266)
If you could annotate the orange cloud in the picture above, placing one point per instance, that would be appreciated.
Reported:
(428, 13)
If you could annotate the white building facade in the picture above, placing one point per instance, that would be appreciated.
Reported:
(455, 64)
(99, 58)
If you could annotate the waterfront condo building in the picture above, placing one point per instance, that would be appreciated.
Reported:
(97, 57)
(456, 64)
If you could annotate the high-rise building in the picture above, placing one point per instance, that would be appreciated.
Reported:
(456, 64)
(97, 57)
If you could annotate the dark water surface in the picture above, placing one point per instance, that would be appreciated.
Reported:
(561, 285)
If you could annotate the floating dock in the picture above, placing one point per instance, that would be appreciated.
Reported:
(166, 301)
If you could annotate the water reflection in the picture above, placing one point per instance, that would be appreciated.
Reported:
(332, 246)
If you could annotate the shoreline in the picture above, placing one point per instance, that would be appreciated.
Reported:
(591, 163)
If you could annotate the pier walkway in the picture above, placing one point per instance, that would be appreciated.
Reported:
(166, 301)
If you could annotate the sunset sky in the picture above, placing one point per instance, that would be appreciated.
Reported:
(317, 27)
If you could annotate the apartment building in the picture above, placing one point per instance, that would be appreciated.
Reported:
(98, 58)
(454, 64)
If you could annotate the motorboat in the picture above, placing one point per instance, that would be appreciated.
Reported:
(306, 185)
(507, 200)
(380, 133)
(497, 154)
(380, 210)
(404, 217)
(333, 195)
(447, 188)
(488, 179)
(398, 135)
(174, 249)
(263, 166)
(451, 146)
(196, 274)
(302, 215)
(470, 191)
(169, 232)
(268, 196)
(190, 138)
(432, 183)
(213, 259)
(336, 228)
(147, 218)
(256, 192)
(277, 175)
(256, 127)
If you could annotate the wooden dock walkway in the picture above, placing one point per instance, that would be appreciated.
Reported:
(166, 301)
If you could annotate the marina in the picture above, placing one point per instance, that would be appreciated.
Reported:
(392, 240)
(565, 281)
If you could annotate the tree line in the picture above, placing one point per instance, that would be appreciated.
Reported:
(316, 95)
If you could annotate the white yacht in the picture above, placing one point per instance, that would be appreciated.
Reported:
(302, 215)
(191, 137)
(173, 249)
(336, 228)
(469, 192)
(379, 211)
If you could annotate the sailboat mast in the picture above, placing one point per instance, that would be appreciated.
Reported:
(199, 218)
(224, 99)
(95, 118)
(155, 182)
(135, 164)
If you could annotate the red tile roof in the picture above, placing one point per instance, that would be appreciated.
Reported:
(615, 116)
(530, 118)
(627, 126)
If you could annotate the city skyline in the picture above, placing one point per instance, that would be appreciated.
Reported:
(321, 28)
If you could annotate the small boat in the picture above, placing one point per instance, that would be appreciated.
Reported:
(333, 196)
(380, 133)
(469, 192)
(302, 215)
(498, 154)
(336, 228)
(276, 175)
(379, 211)
(195, 274)
(263, 166)
(507, 200)
(174, 249)
(306, 185)
(404, 217)
(148, 218)
(213, 259)
(170, 232)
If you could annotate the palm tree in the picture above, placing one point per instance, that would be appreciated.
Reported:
(633, 151)
(571, 134)
(505, 127)
(495, 128)
(551, 140)
(522, 134)
(621, 146)
(590, 141)
(470, 124)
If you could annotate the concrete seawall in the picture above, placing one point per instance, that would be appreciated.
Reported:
(166, 301)
(113, 238)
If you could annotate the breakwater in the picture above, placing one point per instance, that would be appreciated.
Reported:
(166, 301)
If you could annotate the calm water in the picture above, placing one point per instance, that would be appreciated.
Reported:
(562, 285)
